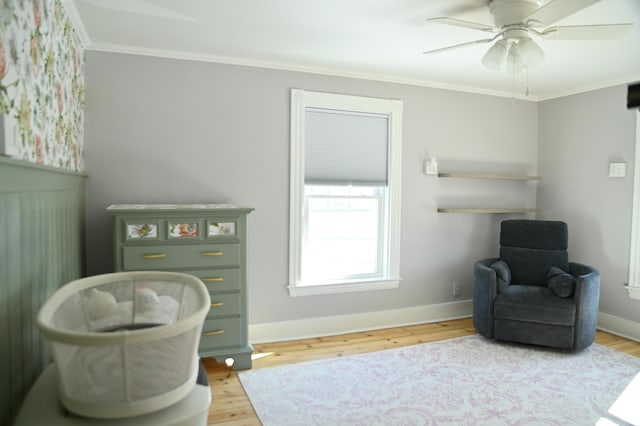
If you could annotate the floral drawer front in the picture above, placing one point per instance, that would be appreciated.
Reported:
(183, 229)
(216, 229)
(142, 230)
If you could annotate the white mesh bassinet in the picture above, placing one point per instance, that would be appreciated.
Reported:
(125, 343)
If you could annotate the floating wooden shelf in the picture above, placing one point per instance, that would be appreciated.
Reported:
(490, 176)
(487, 210)
(486, 176)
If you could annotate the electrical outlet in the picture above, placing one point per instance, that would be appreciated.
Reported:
(457, 289)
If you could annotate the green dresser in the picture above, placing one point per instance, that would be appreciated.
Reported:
(205, 240)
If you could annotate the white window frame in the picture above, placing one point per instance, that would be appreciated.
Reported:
(633, 286)
(300, 100)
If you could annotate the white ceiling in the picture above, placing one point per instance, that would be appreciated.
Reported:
(376, 39)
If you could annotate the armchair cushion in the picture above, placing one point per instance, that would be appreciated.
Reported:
(535, 234)
(530, 266)
(531, 247)
(503, 274)
(536, 304)
(560, 282)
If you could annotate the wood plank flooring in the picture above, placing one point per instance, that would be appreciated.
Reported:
(231, 407)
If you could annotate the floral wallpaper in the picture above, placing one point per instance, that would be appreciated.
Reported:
(42, 82)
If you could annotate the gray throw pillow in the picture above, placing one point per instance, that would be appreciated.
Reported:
(560, 282)
(503, 274)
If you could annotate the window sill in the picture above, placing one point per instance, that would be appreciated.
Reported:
(634, 292)
(346, 287)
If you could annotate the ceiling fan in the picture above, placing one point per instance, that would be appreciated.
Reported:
(517, 20)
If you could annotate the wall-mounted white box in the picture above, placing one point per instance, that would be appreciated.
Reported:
(430, 166)
(617, 170)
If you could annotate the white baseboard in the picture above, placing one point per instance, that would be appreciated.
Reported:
(342, 324)
(352, 323)
(619, 326)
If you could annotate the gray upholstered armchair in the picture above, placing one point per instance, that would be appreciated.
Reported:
(532, 293)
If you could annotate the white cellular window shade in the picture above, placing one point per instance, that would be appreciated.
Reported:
(345, 147)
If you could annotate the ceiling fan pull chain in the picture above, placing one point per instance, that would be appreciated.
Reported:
(513, 81)
(527, 91)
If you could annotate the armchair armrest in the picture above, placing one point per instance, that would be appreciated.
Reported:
(587, 298)
(484, 292)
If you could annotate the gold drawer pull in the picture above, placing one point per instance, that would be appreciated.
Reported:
(155, 256)
(214, 333)
(217, 304)
(212, 253)
(212, 279)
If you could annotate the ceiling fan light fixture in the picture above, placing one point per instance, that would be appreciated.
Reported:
(495, 56)
(514, 60)
(515, 21)
(530, 53)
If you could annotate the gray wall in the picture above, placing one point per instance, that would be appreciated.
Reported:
(162, 130)
(579, 136)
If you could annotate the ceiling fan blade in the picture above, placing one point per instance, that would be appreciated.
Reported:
(459, 9)
(556, 10)
(460, 23)
(457, 46)
(588, 32)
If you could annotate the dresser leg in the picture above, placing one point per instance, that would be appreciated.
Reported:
(241, 358)
(241, 362)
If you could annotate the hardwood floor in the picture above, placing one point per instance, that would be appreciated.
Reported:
(231, 407)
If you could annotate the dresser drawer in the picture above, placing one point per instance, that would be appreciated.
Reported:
(224, 304)
(219, 333)
(180, 256)
(219, 279)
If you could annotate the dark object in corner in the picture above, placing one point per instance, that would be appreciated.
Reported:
(633, 96)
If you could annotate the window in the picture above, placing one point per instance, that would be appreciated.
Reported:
(633, 287)
(345, 193)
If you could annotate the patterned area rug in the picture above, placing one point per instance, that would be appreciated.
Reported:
(463, 381)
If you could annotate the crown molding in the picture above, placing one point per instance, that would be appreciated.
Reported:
(335, 72)
(590, 87)
(285, 66)
(76, 21)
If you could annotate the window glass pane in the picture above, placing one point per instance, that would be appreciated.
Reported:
(342, 238)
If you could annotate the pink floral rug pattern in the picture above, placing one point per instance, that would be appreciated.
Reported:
(462, 381)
